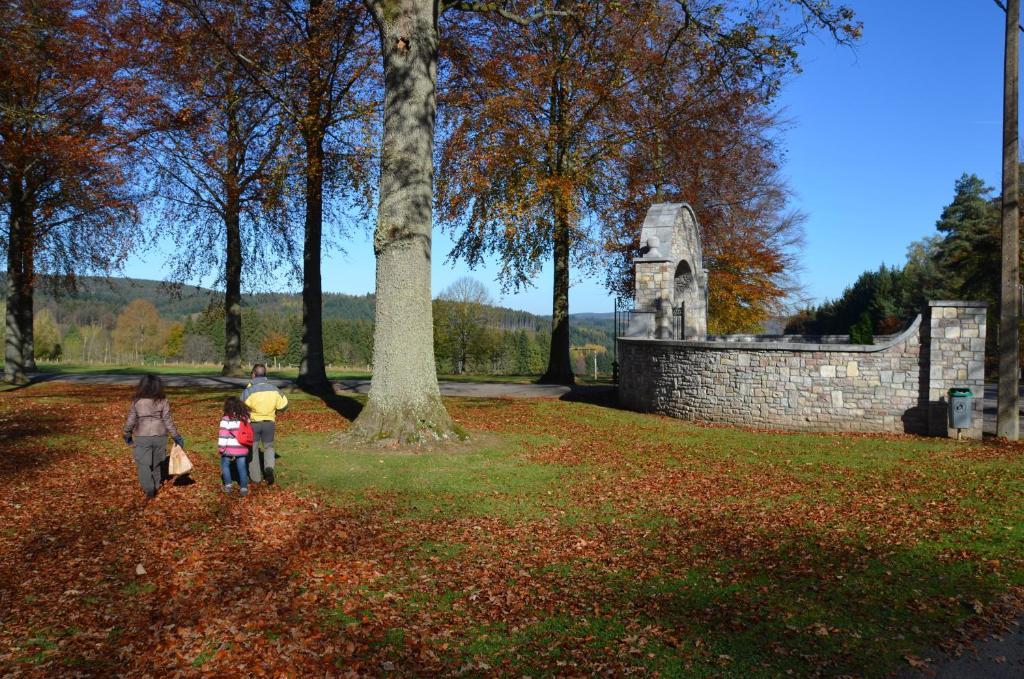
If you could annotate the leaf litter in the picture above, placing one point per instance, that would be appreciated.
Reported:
(654, 556)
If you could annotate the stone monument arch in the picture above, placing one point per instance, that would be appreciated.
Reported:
(671, 283)
(668, 364)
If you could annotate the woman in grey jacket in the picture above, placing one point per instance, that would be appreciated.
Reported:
(148, 424)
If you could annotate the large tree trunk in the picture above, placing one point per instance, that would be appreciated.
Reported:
(233, 238)
(17, 342)
(559, 364)
(28, 316)
(312, 374)
(233, 290)
(1008, 418)
(404, 402)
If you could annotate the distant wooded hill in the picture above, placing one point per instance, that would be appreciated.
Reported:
(100, 300)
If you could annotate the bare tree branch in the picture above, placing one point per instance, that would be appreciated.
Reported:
(1002, 6)
(251, 67)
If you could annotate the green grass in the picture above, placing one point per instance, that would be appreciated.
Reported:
(439, 550)
(493, 480)
(207, 654)
(41, 646)
(847, 602)
(133, 589)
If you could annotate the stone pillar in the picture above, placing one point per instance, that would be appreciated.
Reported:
(695, 324)
(956, 358)
(653, 278)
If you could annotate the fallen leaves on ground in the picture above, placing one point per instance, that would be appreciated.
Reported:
(652, 557)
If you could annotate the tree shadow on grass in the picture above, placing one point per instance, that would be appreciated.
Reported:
(346, 406)
(26, 443)
(598, 395)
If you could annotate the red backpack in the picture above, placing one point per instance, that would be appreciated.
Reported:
(245, 435)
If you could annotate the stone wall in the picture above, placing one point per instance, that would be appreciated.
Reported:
(897, 385)
(955, 336)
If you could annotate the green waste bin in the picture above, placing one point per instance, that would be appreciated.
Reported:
(961, 407)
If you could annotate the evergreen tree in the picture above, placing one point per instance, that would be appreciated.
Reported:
(968, 254)
(921, 278)
(860, 332)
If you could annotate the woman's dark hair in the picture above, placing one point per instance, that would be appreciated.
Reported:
(235, 409)
(150, 386)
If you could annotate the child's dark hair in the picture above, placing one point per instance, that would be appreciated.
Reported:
(235, 409)
(150, 386)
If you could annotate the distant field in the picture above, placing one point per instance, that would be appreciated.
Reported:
(204, 369)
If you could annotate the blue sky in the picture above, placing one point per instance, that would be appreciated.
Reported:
(880, 134)
(876, 138)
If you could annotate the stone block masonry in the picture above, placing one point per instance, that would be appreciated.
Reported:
(955, 336)
(899, 385)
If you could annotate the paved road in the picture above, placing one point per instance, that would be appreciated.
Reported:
(467, 389)
(989, 406)
(490, 389)
(997, 657)
(205, 382)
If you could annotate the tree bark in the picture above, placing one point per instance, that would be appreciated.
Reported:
(1008, 418)
(559, 364)
(233, 289)
(404, 403)
(312, 374)
(233, 256)
(28, 330)
(19, 287)
(28, 311)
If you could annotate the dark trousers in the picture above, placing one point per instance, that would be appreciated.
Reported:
(150, 455)
(263, 433)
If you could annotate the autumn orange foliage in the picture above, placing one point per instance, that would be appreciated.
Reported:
(66, 151)
(561, 135)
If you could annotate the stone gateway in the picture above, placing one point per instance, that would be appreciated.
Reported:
(669, 365)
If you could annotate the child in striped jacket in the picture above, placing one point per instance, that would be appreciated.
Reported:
(231, 451)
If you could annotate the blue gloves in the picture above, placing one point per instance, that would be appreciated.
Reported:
(128, 440)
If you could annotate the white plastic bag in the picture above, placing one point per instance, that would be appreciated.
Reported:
(179, 464)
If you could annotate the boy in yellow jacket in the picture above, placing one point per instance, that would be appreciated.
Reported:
(264, 401)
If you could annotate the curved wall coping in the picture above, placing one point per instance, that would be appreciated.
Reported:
(726, 345)
(958, 303)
